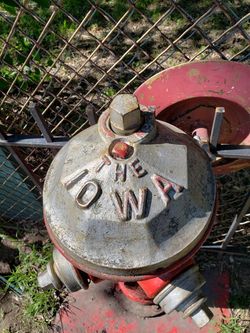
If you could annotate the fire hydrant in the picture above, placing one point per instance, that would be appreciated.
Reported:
(131, 200)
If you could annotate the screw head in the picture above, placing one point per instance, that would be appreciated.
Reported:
(125, 114)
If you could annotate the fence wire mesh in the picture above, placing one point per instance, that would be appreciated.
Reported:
(69, 57)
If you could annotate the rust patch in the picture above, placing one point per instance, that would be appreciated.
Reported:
(236, 78)
(202, 79)
(219, 92)
(142, 96)
(193, 72)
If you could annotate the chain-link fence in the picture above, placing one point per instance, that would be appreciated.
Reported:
(62, 63)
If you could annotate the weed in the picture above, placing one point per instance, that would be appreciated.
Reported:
(231, 327)
(137, 64)
(109, 91)
(38, 305)
(236, 302)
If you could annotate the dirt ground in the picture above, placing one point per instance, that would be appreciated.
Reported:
(239, 290)
(240, 282)
(11, 303)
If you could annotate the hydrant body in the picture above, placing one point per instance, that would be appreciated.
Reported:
(131, 200)
(129, 212)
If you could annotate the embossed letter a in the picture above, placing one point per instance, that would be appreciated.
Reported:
(164, 186)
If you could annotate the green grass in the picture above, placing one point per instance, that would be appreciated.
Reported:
(236, 302)
(39, 306)
(109, 91)
(21, 45)
(231, 327)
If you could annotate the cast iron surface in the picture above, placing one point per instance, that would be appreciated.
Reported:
(129, 215)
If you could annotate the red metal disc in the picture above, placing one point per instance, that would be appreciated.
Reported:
(186, 96)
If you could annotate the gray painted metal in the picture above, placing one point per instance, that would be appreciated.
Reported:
(129, 216)
(59, 272)
(67, 273)
(32, 141)
(21, 161)
(184, 294)
(217, 122)
(125, 115)
(41, 123)
(242, 152)
(49, 279)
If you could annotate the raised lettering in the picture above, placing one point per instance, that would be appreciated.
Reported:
(129, 205)
(75, 177)
(164, 186)
(88, 194)
(120, 172)
(105, 161)
(137, 168)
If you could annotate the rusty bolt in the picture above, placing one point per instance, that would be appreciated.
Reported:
(125, 114)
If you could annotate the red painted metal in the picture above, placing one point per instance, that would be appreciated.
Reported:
(134, 292)
(202, 133)
(98, 310)
(120, 150)
(186, 96)
(152, 287)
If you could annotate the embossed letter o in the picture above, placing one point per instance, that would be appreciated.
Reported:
(96, 191)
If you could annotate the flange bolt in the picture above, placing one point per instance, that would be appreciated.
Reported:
(125, 114)
(184, 294)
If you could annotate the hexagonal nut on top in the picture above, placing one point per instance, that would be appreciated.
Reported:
(125, 114)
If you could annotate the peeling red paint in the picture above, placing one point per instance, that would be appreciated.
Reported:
(98, 311)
